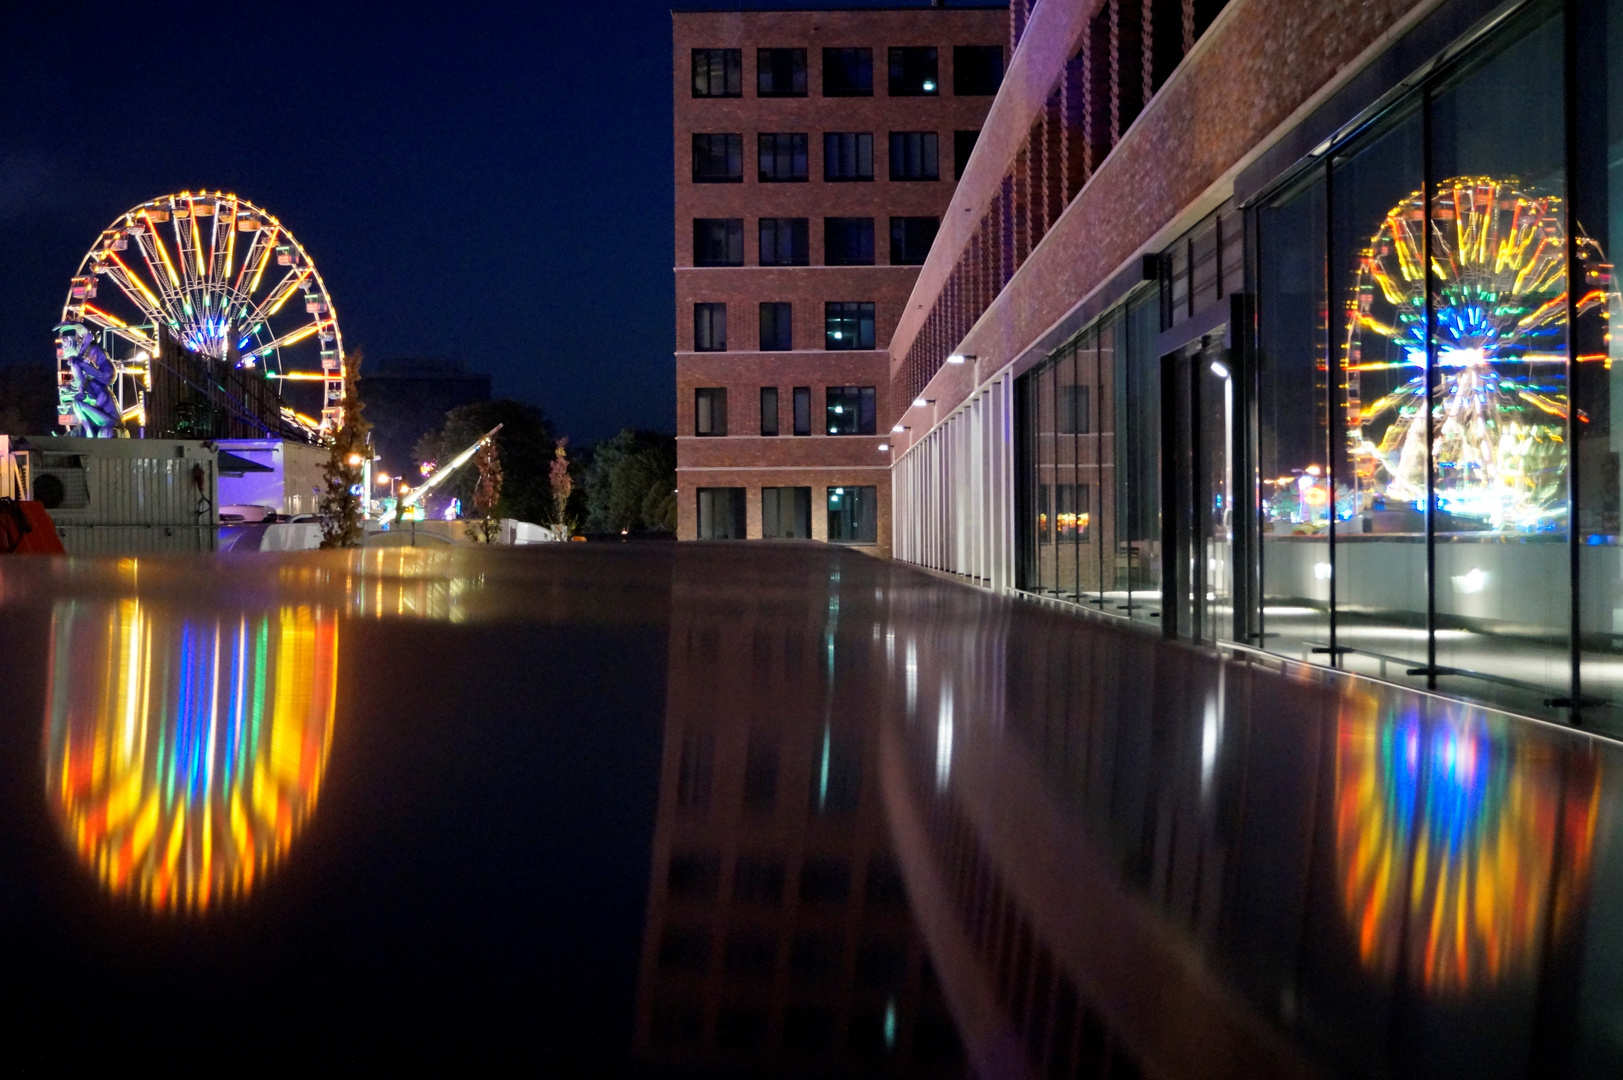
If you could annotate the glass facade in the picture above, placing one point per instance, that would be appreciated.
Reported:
(1089, 462)
(1405, 466)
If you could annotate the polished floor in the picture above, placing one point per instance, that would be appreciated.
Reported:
(761, 810)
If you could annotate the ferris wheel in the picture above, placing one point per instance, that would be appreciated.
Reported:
(1498, 261)
(225, 279)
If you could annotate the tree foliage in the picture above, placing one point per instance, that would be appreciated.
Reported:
(342, 502)
(487, 493)
(631, 483)
(525, 445)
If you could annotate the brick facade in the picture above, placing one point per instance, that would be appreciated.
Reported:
(1260, 62)
(744, 458)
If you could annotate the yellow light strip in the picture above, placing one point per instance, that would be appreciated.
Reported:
(136, 281)
(157, 241)
(264, 258)
(285, 293)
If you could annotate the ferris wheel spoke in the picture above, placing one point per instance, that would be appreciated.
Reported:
(292, 338)
(106, 321)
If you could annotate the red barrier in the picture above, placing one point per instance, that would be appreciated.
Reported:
(26, 527)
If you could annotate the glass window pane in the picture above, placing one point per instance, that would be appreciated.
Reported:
(1377, 226)
(1499, 462)
(1140, 475)
(1292, 414)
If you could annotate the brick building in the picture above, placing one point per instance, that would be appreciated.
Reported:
(815, 154)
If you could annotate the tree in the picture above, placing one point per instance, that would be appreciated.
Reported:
(487, 492)
(342, 500)
(525, 445)
(631, 483)
(562, 485)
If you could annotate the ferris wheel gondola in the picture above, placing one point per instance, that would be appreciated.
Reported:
(223, 277)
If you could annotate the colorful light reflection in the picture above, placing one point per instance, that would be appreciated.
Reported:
(182, 756)
(1447, 836)
(1498, 258)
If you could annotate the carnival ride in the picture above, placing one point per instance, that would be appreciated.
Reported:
(222, 286)
(415, 496)
(1498, 309)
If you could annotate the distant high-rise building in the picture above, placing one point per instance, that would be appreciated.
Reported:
(815, 154)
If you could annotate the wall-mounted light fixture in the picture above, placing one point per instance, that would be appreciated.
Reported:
(959, 358)
(923, 401)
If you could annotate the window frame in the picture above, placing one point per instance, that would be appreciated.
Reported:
(710, 411)
(836, 153)
(801, 406)
(705, 338)
(783, 312)
(856, 52)
(798, 231)
(769, 408)
(962, 52)
(928, 156)
(733, 71)
(907, 64)
(902, 244)
(856, 237)
(865, 317)
(734, 230)
(762, 55)
(859, 403)
(733, 152)
(798, 155)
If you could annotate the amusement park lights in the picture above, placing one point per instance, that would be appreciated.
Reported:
(1498, 454)
(215, 301)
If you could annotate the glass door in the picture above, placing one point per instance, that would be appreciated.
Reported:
(1198, 400)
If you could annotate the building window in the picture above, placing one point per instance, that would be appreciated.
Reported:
(847, 72)
(721, 513)
(802, 410)
(782, 157)
(718, 241)
(784, 242)
(718, 158)
(786, 513)
(709, 327)
(853, 515)
(710, 410)
(777, 327)
(718, 73)
(847, 156)
(769, 410)
(848, 324)
(913, 71)
(913, 155)
(1071, 506)
(848, 241)
(910, 239)
(850, 410)
(782, 72)
(977, 70)
(1073, 407)
(963, 145)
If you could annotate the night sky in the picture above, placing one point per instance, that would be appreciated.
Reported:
(483, 182)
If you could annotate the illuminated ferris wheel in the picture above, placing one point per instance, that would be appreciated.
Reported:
(1499, 411)
(225, 279)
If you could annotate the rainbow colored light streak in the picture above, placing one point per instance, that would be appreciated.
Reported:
(1446, 841)
(183, 757)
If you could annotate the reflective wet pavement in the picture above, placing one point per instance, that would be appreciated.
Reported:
(761, 810)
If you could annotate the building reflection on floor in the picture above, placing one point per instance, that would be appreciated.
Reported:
(779, 936)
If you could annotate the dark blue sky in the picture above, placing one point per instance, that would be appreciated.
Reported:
(488, 182)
